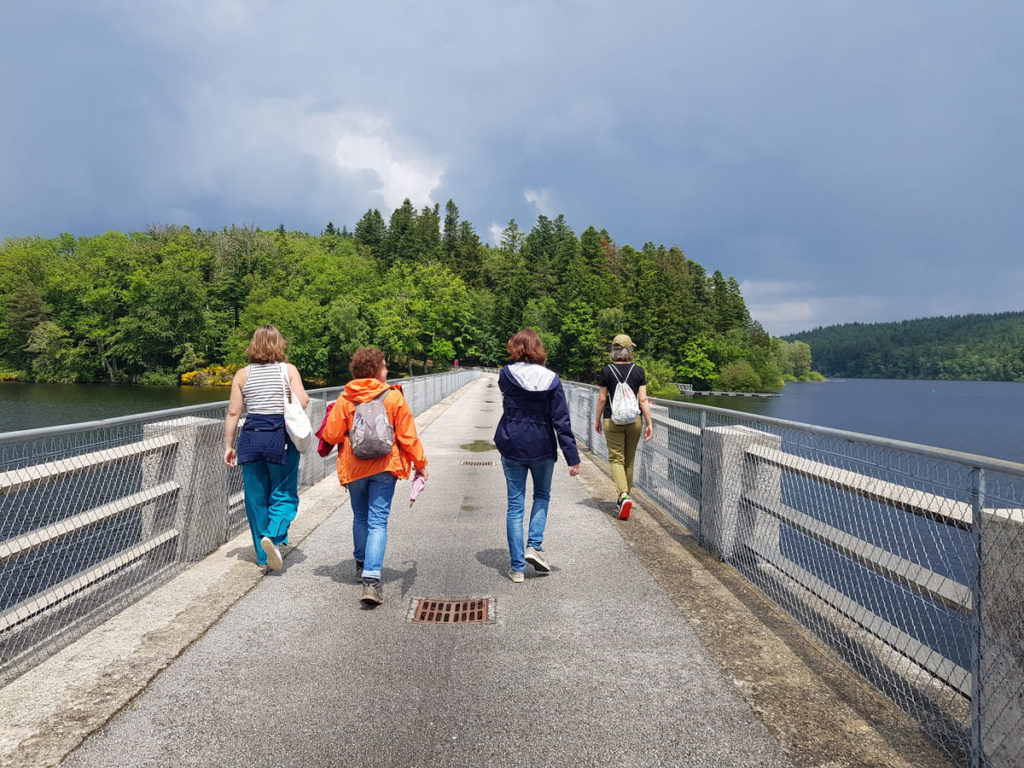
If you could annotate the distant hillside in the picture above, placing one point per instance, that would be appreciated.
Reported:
(973, 347)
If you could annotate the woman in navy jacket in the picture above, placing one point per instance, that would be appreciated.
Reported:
(534, 423)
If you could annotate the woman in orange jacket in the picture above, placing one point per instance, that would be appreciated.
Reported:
(371, 481)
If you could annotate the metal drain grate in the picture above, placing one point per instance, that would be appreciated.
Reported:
(469, 611)
(477, 463)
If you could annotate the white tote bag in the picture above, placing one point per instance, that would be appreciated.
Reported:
(295, 419)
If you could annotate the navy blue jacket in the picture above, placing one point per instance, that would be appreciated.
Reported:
(534, 412)
(263, 438)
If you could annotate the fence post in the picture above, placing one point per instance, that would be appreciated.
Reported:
(202, 514)
(724, 524)
(997, 690)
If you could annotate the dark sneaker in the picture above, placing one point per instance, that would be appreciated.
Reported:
(625, 507)
(274, 561)
(359, 572)
(533, 558)
(371, 592)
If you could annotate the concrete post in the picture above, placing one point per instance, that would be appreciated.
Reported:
(726, 474)
(201, 517)
(1001, 685)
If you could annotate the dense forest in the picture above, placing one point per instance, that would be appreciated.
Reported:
(173, 304)
(972, 347)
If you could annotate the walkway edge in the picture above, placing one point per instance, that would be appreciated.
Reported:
(48, 711)
(821, 712)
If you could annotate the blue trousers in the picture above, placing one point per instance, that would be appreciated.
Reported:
(271, 499)
(371, 506)
(515, 485)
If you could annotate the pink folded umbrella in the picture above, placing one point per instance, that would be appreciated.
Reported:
(418, 483)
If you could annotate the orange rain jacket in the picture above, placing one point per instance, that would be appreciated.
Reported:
(407, 448)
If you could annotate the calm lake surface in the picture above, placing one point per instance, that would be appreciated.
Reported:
(28, 406)
(981, 417)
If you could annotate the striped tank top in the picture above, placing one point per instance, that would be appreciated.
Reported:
(264, 388)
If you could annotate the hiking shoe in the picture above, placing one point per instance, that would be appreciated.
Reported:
(359, 572)
(274, 561)
(517, 576)
(533, 558)
(371, 592)
(625, 506)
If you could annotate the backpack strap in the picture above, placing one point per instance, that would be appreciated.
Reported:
(626, 378)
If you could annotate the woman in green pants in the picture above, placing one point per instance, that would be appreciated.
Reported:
(622, 439)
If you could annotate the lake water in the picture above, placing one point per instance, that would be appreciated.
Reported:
(982, 417)
(28, 406)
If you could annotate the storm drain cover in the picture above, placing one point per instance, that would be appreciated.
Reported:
(477, 463)
(469, 611)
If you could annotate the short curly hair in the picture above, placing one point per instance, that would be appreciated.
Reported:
(366, 363)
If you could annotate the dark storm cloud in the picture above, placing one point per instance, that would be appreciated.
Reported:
(843, 160)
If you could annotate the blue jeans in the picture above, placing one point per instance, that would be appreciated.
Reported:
(271, 499)
(371, 506)
(515, 484)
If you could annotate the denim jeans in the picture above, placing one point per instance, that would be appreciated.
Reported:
(515, 485)
(271, 499)
(371, 506)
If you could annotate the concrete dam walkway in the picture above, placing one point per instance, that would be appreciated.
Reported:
(637, 650)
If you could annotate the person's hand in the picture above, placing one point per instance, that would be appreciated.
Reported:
(648, 431)
(230, 457)
(423, 473)
(598, 426)
(574, 470)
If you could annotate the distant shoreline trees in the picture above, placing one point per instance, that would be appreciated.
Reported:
(149, 307)
(966, 347)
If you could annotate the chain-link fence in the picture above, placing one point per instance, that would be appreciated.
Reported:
(907, 561)
(93, 516)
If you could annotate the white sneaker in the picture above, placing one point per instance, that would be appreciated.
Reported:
(274, 561)
(517, 576)
(533, 558)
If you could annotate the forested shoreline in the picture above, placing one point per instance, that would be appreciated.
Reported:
(175, 305)
(964, 347)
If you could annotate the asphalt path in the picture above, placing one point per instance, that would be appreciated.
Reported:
(592, 665)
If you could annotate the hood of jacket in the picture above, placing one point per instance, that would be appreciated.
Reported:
(531, 377)
(364, 390)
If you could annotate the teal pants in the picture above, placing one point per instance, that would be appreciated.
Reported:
(271, 499)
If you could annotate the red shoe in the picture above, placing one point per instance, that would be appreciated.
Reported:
(625, 505)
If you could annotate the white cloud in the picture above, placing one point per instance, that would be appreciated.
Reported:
(496, 230)
(402, 174)
(541, 200)
(267, 151)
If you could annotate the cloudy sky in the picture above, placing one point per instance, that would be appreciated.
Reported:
(845, 160)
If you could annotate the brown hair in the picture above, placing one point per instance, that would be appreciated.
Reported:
(366, 363)
(526, 347)
(267, 346)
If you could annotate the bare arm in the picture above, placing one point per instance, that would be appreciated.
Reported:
(235, 403)
(602, 398)
(645, 409)
(295, 379)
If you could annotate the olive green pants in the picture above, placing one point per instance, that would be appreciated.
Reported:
(622, 440)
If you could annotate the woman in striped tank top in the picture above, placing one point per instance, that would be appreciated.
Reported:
(270, 462)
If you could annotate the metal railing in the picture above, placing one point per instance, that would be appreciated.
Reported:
(95, 515)
(907, 561)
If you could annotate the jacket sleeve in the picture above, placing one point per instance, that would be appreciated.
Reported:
(336, 427)
(563, 426)
(405, 433)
